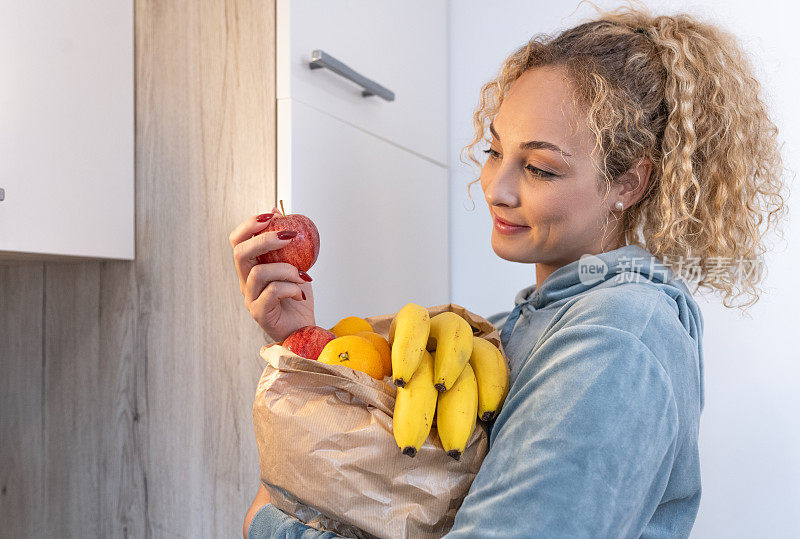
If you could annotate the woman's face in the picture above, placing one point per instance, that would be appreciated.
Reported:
(549, 187)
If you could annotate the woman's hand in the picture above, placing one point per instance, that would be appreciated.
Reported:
(261, 499)
(272, 292)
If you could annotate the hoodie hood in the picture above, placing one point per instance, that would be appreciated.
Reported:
(630, 263)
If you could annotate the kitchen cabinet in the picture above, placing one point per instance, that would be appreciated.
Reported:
(66, 130)
(371, 172)
(400, 45)
(381, 213)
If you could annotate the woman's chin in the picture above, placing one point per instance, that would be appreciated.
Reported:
(507, 250)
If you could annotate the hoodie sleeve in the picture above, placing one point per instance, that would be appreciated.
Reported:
(270, 522)
(583, 446)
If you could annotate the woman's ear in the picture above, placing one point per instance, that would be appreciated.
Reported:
(633, 183)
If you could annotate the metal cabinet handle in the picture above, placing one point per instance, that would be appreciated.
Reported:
(2, 194)
(320, 59)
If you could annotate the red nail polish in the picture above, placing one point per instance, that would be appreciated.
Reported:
(303, 294)
(264, 217)
(287, 234)
(304, 275)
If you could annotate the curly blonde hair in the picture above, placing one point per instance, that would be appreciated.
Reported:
(681, 93)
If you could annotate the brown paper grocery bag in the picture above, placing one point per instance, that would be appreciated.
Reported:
(327, 454)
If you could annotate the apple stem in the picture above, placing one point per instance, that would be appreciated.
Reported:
(282, 210)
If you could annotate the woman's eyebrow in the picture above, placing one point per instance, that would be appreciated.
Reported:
(533, 144)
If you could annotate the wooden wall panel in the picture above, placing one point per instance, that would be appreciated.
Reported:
(21, 394)
(128, 388)
(206, 161)
(121, 394)
(73, 410)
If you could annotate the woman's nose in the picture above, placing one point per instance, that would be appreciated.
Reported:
(501, 189)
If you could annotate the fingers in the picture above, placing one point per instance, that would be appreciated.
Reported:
(251, 248)
(247, 228)
(268, 305)
(264, 275)
(245, 252)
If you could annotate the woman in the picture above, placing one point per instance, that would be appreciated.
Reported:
(625, 153)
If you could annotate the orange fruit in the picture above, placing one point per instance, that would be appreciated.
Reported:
(382, 346)
(354, 352)
(350, 325)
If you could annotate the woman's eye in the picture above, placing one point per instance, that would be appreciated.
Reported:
(540, 172)
(494, 154)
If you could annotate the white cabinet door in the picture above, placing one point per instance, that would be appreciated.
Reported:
(400, 45)
(381, 211)
(66, 129)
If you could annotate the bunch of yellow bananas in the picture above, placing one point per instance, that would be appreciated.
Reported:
(465, 379)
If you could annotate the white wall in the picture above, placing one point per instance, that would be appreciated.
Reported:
(750, 428)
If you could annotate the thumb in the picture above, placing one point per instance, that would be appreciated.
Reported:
(270, 301)
(301, 295)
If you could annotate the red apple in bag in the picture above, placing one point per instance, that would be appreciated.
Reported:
(303, 250)
(308, 341)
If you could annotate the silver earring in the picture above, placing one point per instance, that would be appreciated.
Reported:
(618, 205)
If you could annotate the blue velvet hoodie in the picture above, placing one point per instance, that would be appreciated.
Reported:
(598, 436)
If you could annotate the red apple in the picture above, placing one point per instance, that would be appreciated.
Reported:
(303, 250)
(308, 341)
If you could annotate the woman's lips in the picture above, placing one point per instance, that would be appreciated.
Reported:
(505, 228)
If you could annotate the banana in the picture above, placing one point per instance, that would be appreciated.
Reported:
(451, 337)
(457, 412)
(491, 373)
(414, 408)
(409, 335)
